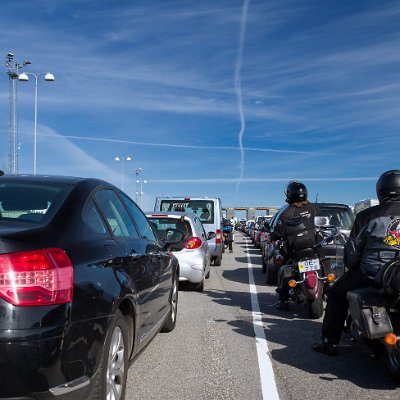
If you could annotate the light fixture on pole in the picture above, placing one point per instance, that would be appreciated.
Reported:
(24, 77)
(123, 160)
(138, 188)
(141, 192)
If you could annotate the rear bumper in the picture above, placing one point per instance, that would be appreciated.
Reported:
(44, 367)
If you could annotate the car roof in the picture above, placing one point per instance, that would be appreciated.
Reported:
(171, 214)
(59, 179)
(332, 205)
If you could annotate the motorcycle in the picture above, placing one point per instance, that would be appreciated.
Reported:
(308, 273)
(374, 318)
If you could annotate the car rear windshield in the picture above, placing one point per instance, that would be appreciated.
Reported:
(338, 216)
(161, 224)
(28, 201)
(204, 209)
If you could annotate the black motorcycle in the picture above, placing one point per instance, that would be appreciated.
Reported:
(374, 317)
(308, 273)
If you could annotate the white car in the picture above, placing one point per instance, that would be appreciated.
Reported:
(193, 252)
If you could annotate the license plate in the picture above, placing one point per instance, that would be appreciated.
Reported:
(309, 265)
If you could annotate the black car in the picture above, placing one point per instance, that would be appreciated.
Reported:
(340, 216)
(84, 286)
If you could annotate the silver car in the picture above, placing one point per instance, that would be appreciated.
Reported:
(193, 251)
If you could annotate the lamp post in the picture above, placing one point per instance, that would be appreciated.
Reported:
(138, 186)
(123, 160)
(49, 77)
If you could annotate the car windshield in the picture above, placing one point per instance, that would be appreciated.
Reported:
(27, 201)
(204, 209)
(338, 216)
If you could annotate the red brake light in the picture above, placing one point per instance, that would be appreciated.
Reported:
(35, 278)
(193, 243)
(218, 236)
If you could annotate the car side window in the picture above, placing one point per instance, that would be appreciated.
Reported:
(93, 219)
(116, 214)
(141, 221)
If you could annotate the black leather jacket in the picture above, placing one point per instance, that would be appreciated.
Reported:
(307, 211)
(375, 238)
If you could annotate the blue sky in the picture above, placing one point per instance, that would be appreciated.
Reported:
(229, 98)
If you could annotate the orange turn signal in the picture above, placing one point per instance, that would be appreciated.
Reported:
(330, 277)
(390, 339)
(292, 283)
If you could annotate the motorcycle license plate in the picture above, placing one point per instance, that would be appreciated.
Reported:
(309, 265)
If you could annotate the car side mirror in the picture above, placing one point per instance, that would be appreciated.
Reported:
(321, 221)
(211, 235)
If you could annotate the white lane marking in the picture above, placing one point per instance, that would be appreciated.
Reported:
(268, 384)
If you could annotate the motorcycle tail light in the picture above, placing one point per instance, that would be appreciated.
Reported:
(391, 339)
(311, 279)
(36, 278)
(193, 243)
(278, 260)
(292, 283)
(330, 277)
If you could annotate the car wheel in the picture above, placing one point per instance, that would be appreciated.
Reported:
(111, 376)
(208, 273)
(217, 260)
(170, 322)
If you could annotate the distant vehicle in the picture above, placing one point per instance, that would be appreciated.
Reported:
(192, 252)
(363, 204)
(340, 216)
(84, 286)
(208, 209)
(271, 258)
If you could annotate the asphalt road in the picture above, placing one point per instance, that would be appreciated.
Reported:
(212, 353)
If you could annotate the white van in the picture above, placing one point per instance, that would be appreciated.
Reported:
(208, 209)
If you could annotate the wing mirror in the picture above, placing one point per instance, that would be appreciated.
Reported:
(211, 235)
(321, 221)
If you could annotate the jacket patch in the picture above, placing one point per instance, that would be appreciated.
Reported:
(392, 237)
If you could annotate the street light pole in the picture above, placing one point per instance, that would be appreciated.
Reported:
(123, 159)
(49, 77)
(138, 186)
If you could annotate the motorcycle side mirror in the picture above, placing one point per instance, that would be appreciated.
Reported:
(321, 221)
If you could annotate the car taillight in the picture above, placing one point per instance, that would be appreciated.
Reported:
(36, 278)
(218, 236)
(193, 243)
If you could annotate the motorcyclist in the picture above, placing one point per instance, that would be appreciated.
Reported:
(374, 241)
(301, 209)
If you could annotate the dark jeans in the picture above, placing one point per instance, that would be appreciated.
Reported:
(337, 304)
(229, 243)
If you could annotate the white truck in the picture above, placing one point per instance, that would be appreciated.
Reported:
(363, 204)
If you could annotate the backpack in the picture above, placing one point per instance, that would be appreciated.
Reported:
(227, 229)
(300, 239)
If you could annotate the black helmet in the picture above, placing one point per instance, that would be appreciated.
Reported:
(295, 192)
(388, 185)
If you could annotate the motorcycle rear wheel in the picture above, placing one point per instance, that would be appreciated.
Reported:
(392, 361)
(315, 308)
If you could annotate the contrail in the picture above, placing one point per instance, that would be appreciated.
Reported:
(255, 180)
(186, 146)
(238, 89)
